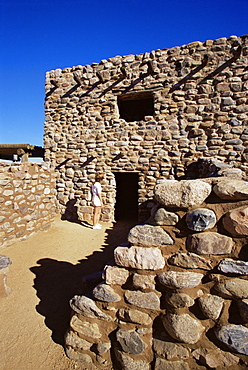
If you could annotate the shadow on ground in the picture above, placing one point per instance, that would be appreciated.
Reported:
(56, 282)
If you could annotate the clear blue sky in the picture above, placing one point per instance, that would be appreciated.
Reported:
(40, 35)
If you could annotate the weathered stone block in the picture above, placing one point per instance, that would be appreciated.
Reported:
(233, 288)
(87, 307)
(115, 275)
(130, 342)
(235, 337)
(165, 218)
(148, 235)
(180, 280)
(190, 260)
(231, 189)
(139, 258)
(128, 363)
(134, 316)
(209, 243)
(143, 300)
(183, 328)
(211, 306)
(144, 281)
(200, 219)
(74, 341)
(179, 300)
(182, 194)
(236, 221)
(105, 293)
(86, 328)
(230, 266)
(215, 358)
(169, 350)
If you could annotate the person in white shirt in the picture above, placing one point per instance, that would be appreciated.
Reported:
(96, 190)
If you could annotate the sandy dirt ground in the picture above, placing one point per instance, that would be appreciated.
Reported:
(47, 271)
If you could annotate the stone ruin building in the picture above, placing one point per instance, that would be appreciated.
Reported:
(144, 118)
(169, 129)
(175, 295)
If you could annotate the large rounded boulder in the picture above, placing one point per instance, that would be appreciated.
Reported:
(182, 194)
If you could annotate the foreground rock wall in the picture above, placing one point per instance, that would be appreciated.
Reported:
(27, 198)
(176, 294)
(198, 97)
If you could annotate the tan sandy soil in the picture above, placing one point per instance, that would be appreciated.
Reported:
(47, 271)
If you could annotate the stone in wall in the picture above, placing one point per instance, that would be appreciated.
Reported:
(182, 194)
(143, 300)
(213, 167)
(164, 218)
(134, 316)
(130, 342)
(139, 257)
(128, 363)
(232, 288)
(230, 266)
(106, 293)
(190, 260)
(179, 300)
(85, 328)
(236, 221)
(211, 306)
(209, 243)
(149, 236)
(214, 358)
(231, 189)
(161, 364)
(200, 219)
(183, 328)
(143, 282)
(169, 350)
(87, 307)
(234, 337)
(115, 275)
(180, 280)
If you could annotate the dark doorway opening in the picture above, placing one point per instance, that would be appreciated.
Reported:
(126, 207)
(135, 107)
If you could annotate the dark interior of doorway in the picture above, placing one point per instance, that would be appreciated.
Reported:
(126, 207)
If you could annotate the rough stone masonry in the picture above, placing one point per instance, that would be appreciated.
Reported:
(27, 200)
(154, 114)
(175, 297)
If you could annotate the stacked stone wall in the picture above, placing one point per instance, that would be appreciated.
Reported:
(199, 94)
(28, 200)
(175, 295)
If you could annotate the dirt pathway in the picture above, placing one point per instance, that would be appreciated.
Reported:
(46, 271)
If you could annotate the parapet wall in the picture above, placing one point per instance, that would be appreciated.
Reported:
(28, 200)
(153, 114)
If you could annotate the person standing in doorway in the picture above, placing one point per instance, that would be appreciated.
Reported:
(96, 190)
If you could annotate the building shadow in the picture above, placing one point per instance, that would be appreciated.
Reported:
(56, 282)
(71, 211)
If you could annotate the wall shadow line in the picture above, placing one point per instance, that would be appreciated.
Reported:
(56, 282)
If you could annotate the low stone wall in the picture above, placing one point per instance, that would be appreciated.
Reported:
(176, 295)
(28, 200)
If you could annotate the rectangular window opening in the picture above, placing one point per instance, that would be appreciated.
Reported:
(134, 107)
